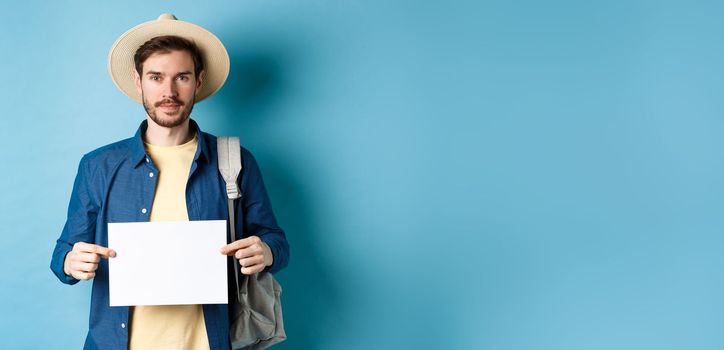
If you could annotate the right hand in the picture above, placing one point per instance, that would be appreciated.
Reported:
(82, 261)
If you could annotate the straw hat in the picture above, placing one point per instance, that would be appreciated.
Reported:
(120, 59)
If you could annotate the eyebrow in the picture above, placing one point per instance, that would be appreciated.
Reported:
(159, 73)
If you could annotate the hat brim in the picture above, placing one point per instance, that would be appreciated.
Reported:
(122, 69)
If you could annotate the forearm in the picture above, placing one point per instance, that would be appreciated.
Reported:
(259, 219)
(79, 225)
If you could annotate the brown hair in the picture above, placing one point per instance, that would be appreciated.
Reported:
(166, 44)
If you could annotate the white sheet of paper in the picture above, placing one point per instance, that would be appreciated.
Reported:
(167, 263)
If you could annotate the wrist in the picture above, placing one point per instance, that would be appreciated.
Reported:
(268, 257)
(65, 265)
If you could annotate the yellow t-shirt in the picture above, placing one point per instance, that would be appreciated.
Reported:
(169, 326)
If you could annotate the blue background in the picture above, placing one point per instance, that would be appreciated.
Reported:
(461, 175)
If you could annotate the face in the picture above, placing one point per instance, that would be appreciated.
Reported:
(168, 87)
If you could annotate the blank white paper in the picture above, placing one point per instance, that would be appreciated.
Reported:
(167, 263)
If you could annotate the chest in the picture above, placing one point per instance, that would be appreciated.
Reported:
(129, 192)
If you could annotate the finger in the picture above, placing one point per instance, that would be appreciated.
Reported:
(87, 257)
(84, 275)
(251, 261)
(79, 266)
(252, 269)
(82, 247)
(84, 267)
(240, 244)
(231, 248)
(252, 250)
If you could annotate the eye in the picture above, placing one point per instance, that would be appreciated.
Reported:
(155, 78)
(183, 78)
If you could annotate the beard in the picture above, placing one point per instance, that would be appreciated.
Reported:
(173, 120)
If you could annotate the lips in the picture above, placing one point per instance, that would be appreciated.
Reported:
(169, 109)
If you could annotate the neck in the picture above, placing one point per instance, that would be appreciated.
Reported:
(162, 136)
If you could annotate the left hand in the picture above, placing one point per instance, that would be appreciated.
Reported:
(253, 254)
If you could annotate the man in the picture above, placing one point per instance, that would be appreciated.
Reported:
(167, 171)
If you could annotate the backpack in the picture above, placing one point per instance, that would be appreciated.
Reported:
(256, 312)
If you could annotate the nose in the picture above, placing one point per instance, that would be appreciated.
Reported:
(169, 88)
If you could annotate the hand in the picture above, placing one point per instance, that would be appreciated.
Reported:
(253, 254)
(82, 261)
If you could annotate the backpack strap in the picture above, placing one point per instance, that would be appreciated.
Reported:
(229, 157)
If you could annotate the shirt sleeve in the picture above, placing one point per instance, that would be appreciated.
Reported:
(80, 224)
(259, 219)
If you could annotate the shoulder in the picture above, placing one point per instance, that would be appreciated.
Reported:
(211, 141)
(109, 154)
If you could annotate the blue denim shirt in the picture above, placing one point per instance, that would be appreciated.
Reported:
(113, 185)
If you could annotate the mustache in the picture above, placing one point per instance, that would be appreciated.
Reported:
(168, 100)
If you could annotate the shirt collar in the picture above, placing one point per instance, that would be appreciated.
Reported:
(138, 152)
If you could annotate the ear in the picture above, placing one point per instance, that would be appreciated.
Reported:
(137, 80)
(200, 80)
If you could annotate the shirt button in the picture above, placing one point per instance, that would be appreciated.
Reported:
(123, 325)
(147, 160)
(150, 174)
(143, 210)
